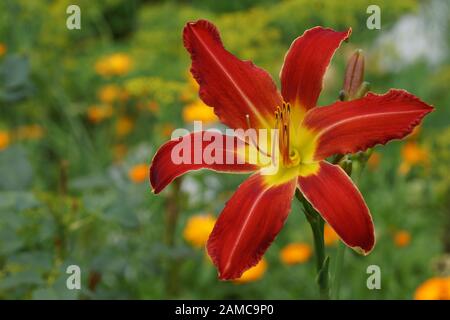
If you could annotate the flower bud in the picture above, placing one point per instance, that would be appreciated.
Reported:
(354, 74)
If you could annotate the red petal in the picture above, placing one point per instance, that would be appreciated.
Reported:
(248, 224)
(164, 169)
(333, 194)
(305, 65)
(234, 88)
(348, 127)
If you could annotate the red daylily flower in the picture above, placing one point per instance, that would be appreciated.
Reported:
(244, 96)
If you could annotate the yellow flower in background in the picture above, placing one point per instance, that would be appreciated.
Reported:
(156, 89)
(295, 253)
(29, 132)
(402, 238)
(198, 111)
(124, 126)
(5, 140)
(413, 155)
(138, 173)
(114, 65)
(198, 229)
(192, 82)
(119, 63)
(330, 236)
(2, 49)
(374, 161)
(437, 288)
(195, 109)
(98, 113)
(190, 92)
(253, 274)
(110, 93)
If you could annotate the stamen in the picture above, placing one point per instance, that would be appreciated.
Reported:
(282, 124)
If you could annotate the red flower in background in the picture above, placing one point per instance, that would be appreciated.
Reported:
(245, 96)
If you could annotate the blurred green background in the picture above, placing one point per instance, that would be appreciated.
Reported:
(83, 112)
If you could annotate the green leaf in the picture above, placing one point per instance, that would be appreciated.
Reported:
(15, 78)
(25, 278)
(15, 169)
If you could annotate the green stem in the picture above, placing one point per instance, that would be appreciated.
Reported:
(319, 245)
(339, 261)
(338, 266)
(322, 261)
(172, 213)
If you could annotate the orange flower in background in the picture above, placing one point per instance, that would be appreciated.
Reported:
(124, 126)
(151, 106)
(111, 93)
(437, 288)
(402, 238)
(198, 229)
(26, 132)
(98, 113)
(374, 160)
(254, 273)
(2, 49)
(413, 155)
(198, 111)
(166, 129)
(295, 253)
(114, 65)
(138, 173)
(330, 236)
(5, 140)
